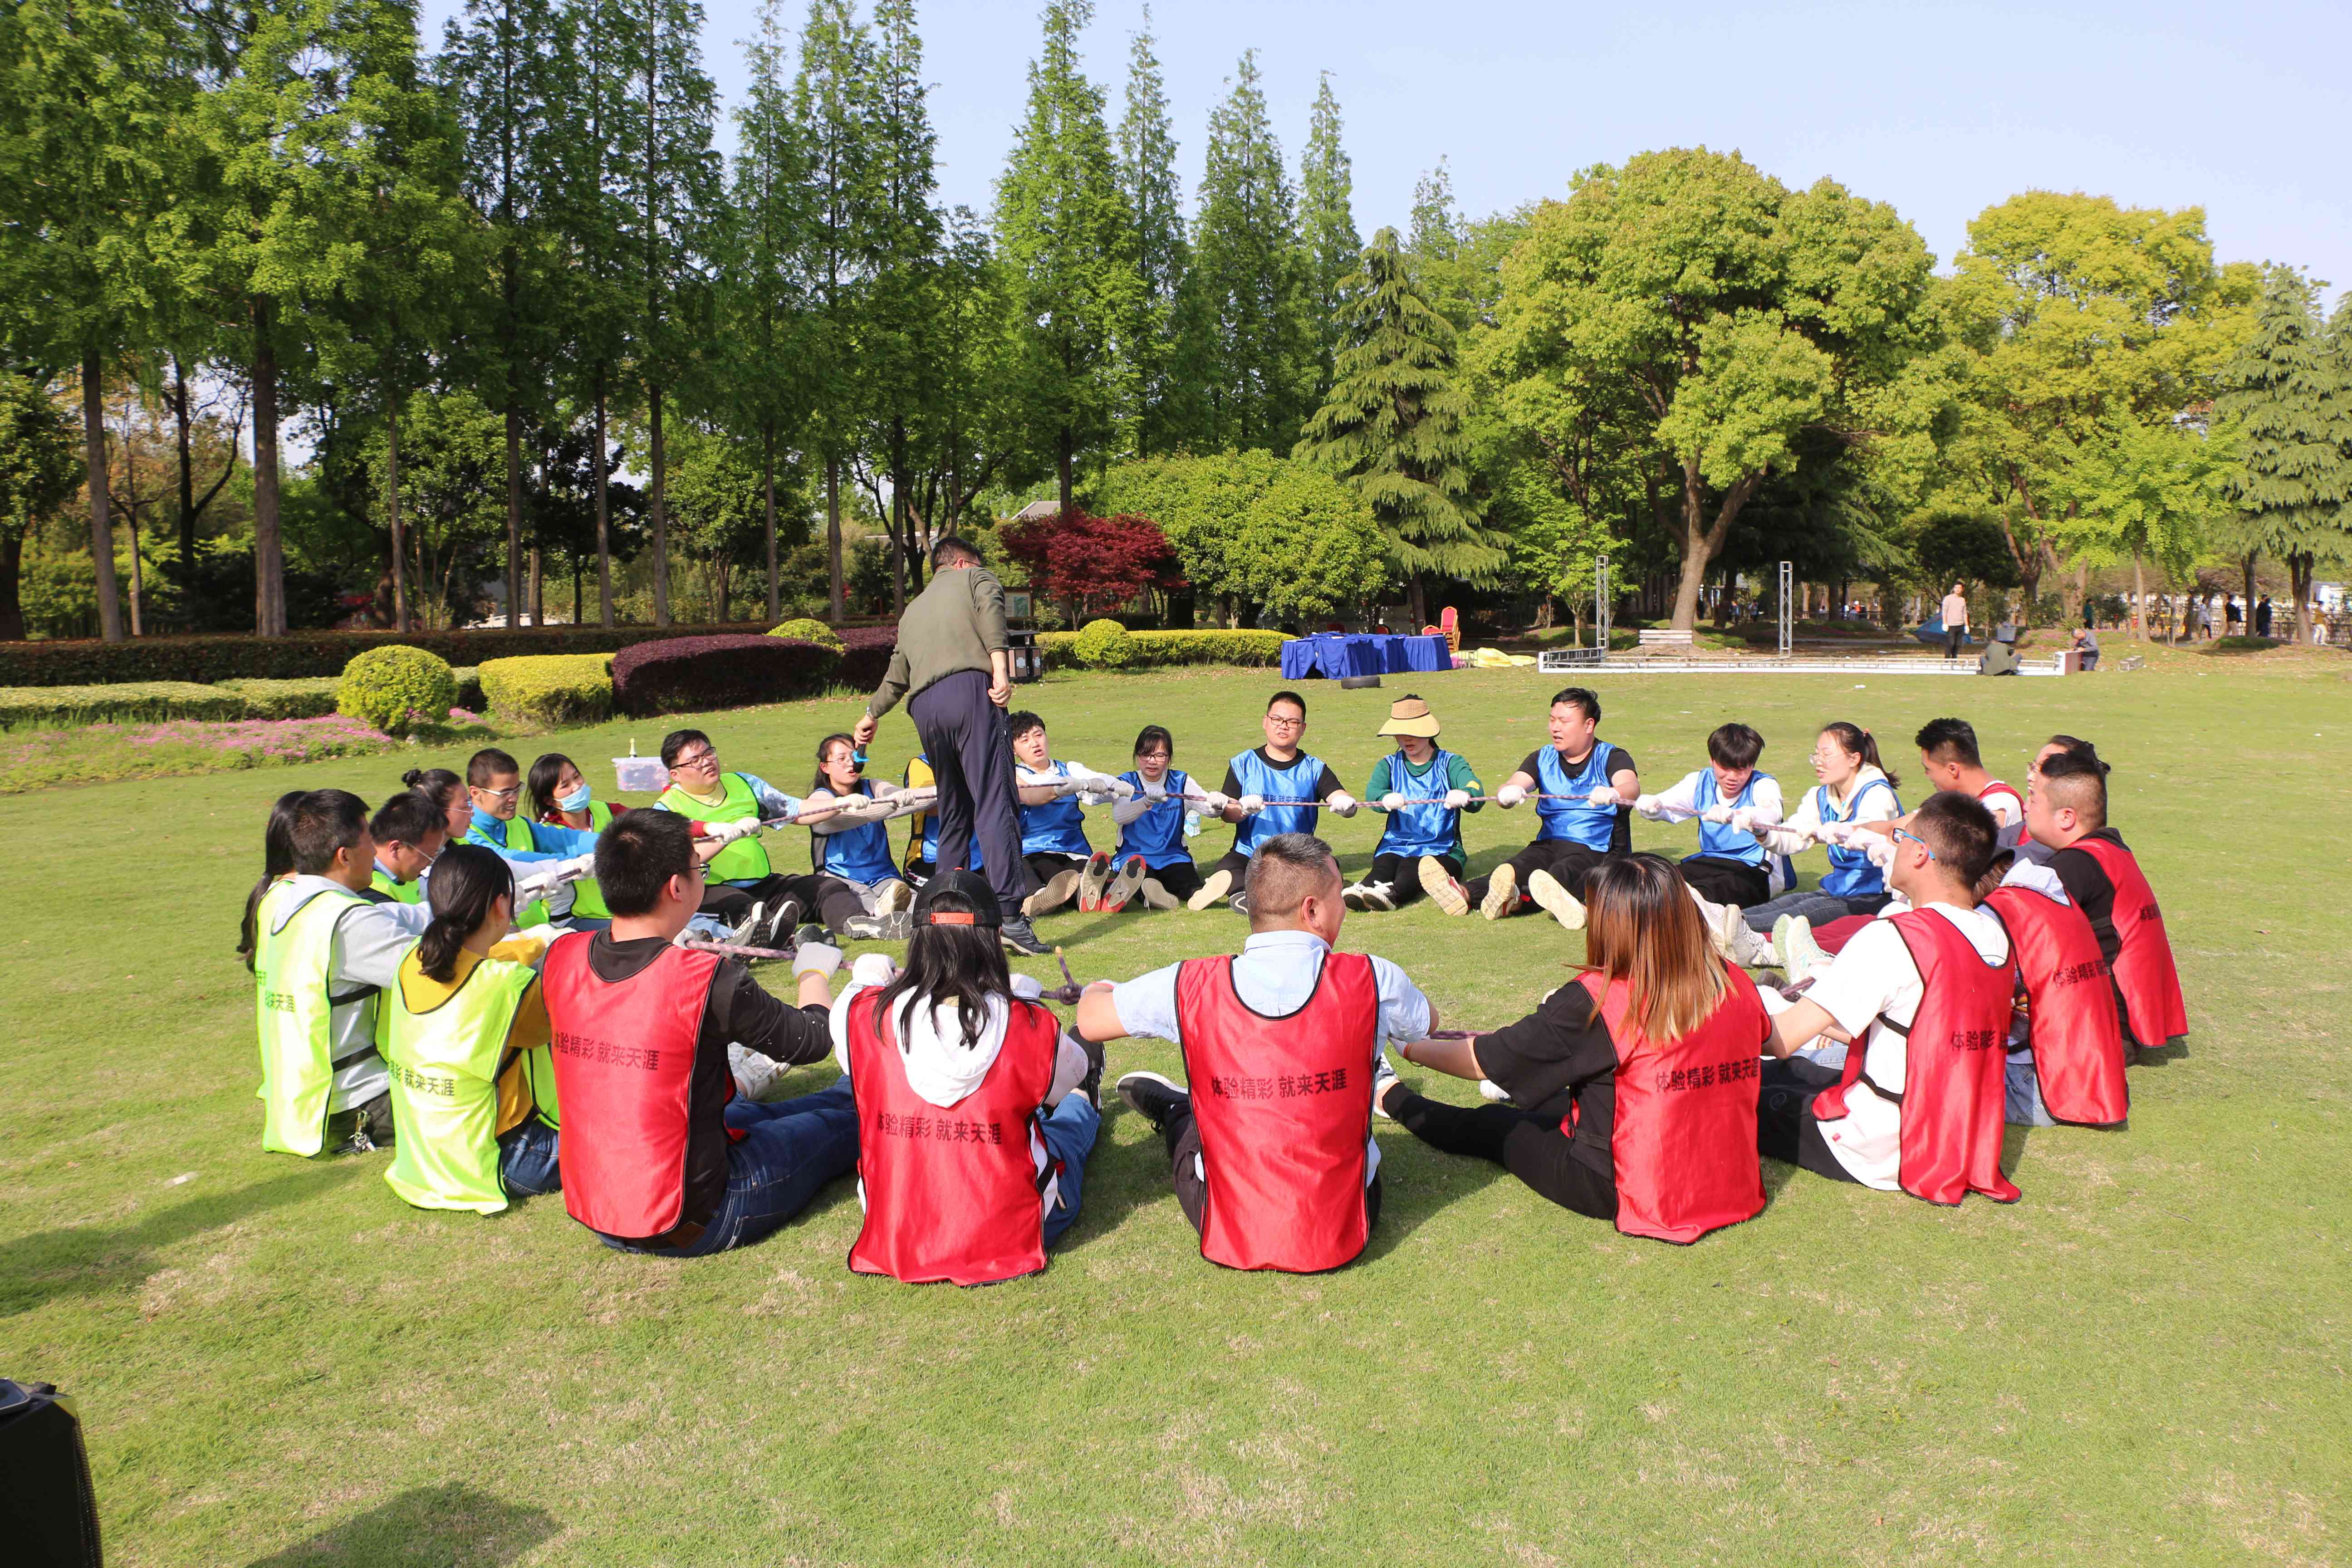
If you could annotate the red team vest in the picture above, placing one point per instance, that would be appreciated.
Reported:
(2145, 976)
(952, 1193)
(1284, 1107)
(2070, 1008)
(624, 1068)
(1682, 1139)
(1955, 1070)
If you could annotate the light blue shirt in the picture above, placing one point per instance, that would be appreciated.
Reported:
(1275, 974)
(550, 841)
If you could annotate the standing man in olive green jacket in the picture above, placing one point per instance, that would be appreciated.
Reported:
(954, 666)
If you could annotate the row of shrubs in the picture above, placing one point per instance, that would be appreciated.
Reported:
(1107, 644)
(155, 701)
(209, 660)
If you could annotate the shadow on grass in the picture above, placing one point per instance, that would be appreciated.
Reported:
(1433, 1181)
(436, 1525)
(85, 1261)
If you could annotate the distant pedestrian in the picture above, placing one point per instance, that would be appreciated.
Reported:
(2262, 618)
(2233, 616)
(1956, 621)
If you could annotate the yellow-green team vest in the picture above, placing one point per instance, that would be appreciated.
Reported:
(444, 1091)
(402, 892)
(587, 899)
(517, 837)
(292, 1010)
(742, 861)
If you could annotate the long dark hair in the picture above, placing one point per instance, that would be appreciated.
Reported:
(541, 787)
(1643, 929)
(819, 781)
(276, 860)
(964, 961)
(1856, 742)
(466, 882)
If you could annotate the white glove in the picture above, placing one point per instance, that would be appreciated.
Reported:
(1028, 987)
(1342, 804)
(1605, 795)
(541, 933)
(1215, 802)
(729, 832)
(580, 865)
(1118, 787)
(872, 969)
(906, 802)
(1717, 812)
(1881, 850)
(1510, 795)
(1838, 833)
(1253, 803)
(816, 958)
(1647, 805)
(1392, 801)
(534, 882)
(1455, 799)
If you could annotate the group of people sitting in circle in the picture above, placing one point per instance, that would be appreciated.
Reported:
(524, 997)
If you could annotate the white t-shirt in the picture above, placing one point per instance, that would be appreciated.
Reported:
(2008, 808)
(1872, 975)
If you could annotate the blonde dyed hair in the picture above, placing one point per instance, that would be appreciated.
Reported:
(1643, 927)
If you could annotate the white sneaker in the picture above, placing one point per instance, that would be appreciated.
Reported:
(1377, 896)
(895, 895)
(1556, 900)
(1444, 891)
(1054, 894)
(1157, 896)
(1383, 1075)
(1802, 955)
(1493, 1093)
(1353, 895)
(1502, 892)
(1218, 885)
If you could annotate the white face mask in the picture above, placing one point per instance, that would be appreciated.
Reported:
(576, 801)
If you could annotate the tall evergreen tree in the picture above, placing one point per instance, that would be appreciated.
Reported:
(672, 184)
(1063, 227)
(2288, 390)
(832, 104)
(1249, 346)
(1326, 224)
(901, 359)
(1155, 198)
(1393, 428)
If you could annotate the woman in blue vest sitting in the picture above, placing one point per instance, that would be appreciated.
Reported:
(854, 844)
(975, 1108)
(1424, 790)
(1855, 788)
(1155, 824)
(1584, 789)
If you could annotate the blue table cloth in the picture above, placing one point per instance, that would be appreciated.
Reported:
(1340, 654)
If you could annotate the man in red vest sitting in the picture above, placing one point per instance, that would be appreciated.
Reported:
(1923, 999)
(1272, 1150)
(2066, 812)
(658, 1154)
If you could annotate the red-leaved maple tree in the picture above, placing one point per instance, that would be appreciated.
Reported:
(1093, 564)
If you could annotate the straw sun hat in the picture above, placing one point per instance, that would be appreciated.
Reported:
(1410, 715)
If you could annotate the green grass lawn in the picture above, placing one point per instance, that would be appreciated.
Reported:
(2144, 1360)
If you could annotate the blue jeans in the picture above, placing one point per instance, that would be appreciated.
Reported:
(2022, 1098)
(527, 1160)
(790, 1151)
(1070, 1130)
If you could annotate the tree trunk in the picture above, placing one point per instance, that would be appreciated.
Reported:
(577, 609)
(1067, 451)
(269, 544)
(1416, 599)
(101, 520)
(538, 591)
(131, 508)
(902, 529)
(2248, 564)
(514, 514)
(187, 519)
(603, 516)
(838, 588)
(12, 570)
(392, 508)
(2139, 598)
(1701, 540)
(660, 522)
(768, 494)
(2301, 565)
(718, 589)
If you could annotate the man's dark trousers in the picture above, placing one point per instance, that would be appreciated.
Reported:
(970, 744)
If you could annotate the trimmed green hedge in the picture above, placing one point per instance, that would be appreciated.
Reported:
(396, 688)
(550, 688)
(310, 699)
(806, 630)
(1144, 650)
(61, 707)
(1105, 645)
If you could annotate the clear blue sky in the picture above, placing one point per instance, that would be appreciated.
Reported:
(1941, 109)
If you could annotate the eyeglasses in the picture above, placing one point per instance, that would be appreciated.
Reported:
(496, 794)
(1281, 723)
(1907, 833)
(696, 763)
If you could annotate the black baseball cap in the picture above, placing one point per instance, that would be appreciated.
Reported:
(971, 902)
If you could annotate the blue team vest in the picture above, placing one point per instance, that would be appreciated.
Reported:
(1056, 827)
(931, 830)
(1851, 873)
(1419, 830)
(854, 854)
(1159, 834)
(1578, 820)
(1295, 783)
(1720, 840)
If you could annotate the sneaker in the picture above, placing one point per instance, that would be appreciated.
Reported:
(1156, 896)
(1802, 955)
(769, 922)
(1379, 896)
(897, 926)
(812, 931)
(1383, 1075)
(1557, 901)
(1123, 886)
(1781, 928)
(1502, 892)
(1020, 937)
(1218, 885)
(1493, 1093)
(1091, 1085)
(1444, 891)
(1239, 903)
(1054, 894)
(1353, 895)
(895, 896)
(1091, 882)
(1151, 1096)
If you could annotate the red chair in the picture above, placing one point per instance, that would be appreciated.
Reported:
(1449, 627)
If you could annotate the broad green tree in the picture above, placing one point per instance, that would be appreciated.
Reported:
(1327, 228)
(1694, 315)
(39, 471)
(1393, 428)
(1065, 232)
(901, 358)
(2287, 391)
(1155, 200)
(1249, 353)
